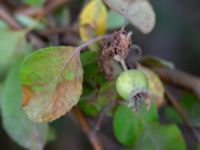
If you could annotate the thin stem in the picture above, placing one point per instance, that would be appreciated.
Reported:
(182, 113)
(5, 16)
(47, 9)
(9, 19)
(123, 65)
(87, 130)
(91, 41)
(102, 115)
(58, 30)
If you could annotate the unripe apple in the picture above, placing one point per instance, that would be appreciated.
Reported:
(132, 85)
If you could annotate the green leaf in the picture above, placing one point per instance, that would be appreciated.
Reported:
(36, 3)
(15, 122)
(127, 127)
(13, 44)
(190, 103)
(3, 25)
(198, 147)
(153, 61)
(115, 20)
(88, 57)
(92, 102)
(88, 109)
(160, 137)
(139, 12)
(51, 134)
(150, 116)
(172, 115)
(52, 82)
(92, 73)
(128, 124)
(0, 96)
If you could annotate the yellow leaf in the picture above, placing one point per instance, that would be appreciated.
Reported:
(92, 20)
(156, 88)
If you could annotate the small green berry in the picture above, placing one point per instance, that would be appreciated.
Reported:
(132, 85)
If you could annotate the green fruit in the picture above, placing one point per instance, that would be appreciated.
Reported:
(131, 83)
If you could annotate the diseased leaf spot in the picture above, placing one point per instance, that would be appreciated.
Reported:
(57, 83)
(26, 96)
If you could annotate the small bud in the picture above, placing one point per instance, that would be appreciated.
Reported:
(132, 85)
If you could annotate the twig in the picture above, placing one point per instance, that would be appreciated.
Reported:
(76, 53)
(182, 113)
(36, 41)
(91, 41)
(180, 79)
(86, 128)
(54, 39)
(42, 12)
(105, 110)
(59, 30)
(4, 15)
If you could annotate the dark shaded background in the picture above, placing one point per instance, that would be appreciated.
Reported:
(176, 34)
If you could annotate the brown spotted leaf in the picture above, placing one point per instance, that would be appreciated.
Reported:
(16, 124)
(52, 83)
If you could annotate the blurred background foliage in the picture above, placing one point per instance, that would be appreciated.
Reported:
(175, 38)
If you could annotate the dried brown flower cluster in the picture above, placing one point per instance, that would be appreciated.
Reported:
(115, 48)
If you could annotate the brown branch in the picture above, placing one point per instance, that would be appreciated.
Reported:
(8, 18)
(182, 113)
(60, 30)
(54, 5)
(86, 128)
(180, 79)
(4, 15)
(102, 115)
(47, 9)
(91, 41)
(54, 39)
